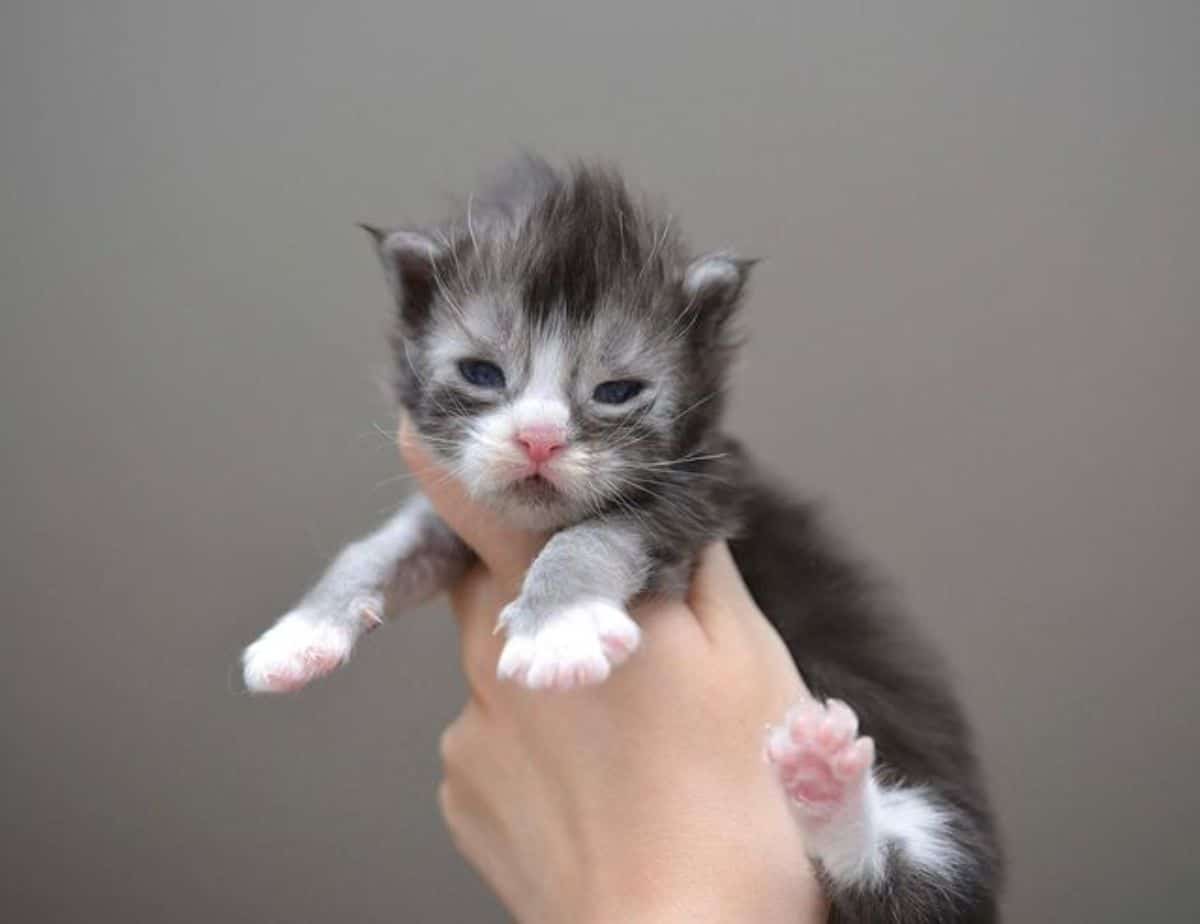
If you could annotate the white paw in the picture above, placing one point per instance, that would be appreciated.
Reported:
(822, 762)
(294, 651)
(577, 646)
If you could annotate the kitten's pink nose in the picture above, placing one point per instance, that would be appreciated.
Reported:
(541, 442)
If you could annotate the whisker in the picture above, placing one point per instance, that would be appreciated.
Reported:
(470, 227)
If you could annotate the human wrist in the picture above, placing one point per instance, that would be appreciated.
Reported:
(708, 906)
(750, 889)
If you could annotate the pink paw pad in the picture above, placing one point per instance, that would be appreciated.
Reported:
(822, 762)
(617, 646)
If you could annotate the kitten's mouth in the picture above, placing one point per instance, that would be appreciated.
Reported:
(535, 487)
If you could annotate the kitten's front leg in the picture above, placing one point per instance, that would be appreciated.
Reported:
(407, 560)
(569, 626)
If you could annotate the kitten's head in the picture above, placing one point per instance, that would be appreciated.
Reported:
(556, 347)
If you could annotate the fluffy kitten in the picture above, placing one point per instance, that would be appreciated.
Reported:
(565, 358)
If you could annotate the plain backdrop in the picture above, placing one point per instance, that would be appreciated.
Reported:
(975, 334)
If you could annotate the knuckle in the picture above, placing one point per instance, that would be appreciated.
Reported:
(445, 799)
(450, 743)
(447, 806)
(455, 820)
(455, 742)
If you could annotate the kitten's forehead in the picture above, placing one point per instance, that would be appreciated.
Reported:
(550, 359)
(489, 317)
(612, 335)
(624, 337)
(472, 326)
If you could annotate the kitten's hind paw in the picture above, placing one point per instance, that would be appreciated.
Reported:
(822, 762)
(293, 652)
(575, 647)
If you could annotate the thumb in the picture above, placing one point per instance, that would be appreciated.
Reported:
(732, 620)
(718, 595)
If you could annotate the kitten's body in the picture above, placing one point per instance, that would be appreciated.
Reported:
(558, 292)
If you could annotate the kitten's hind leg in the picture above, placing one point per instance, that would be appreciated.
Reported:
(407, 560)
(885, 853)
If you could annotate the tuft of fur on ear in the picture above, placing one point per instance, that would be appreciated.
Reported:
(713, 286)
(409, 262)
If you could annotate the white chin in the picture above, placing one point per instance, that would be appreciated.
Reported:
(530, 504)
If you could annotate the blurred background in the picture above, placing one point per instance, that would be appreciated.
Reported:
(975, 333)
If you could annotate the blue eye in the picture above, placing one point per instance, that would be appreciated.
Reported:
(481, 373)
(618, 392)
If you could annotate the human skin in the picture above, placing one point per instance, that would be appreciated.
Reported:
(646, 798)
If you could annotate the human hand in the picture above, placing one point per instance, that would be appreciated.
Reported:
(645, 798)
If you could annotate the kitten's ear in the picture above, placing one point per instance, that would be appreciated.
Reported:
(408, 259)
(713, 285)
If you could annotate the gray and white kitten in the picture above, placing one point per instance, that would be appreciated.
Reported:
(565, 358)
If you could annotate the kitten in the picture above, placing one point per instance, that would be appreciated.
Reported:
(565, 358)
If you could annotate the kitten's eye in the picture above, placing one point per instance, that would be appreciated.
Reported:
(618, 392)
(481, 373)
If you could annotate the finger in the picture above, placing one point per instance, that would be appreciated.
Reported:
(718, 595)
(485, 847)
(473, 830)
(505, 550)
(476, 601)
(732, 620)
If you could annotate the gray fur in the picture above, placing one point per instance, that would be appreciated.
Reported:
(407, 560)
(602, 559)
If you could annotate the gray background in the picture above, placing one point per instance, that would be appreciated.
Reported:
(975, 333)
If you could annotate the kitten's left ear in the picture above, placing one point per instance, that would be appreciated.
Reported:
(713, 284)
(408, 259)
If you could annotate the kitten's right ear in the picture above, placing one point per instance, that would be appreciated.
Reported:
(713, 285)
(409, 263)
